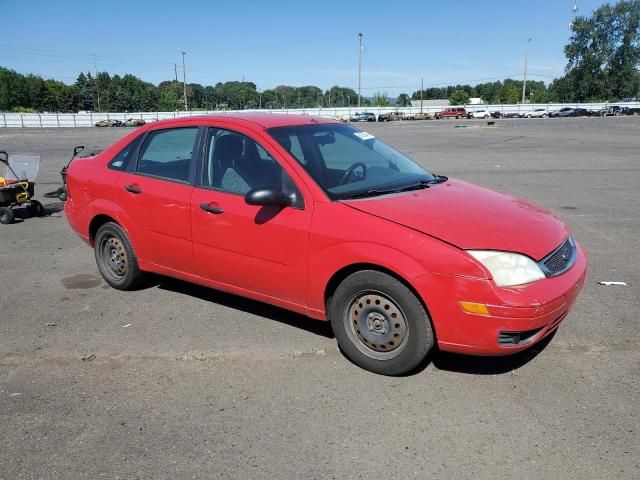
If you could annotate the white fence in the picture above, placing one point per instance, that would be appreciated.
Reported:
(46, 120)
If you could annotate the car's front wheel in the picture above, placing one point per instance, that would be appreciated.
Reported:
(116, 258)
(379, 323)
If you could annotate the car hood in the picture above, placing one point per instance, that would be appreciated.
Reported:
(471, 217)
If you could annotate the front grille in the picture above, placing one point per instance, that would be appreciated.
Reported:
(560, 260)
(513, 339)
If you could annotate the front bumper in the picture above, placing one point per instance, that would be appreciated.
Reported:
(526, 313)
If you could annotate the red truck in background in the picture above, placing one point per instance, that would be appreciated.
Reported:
(451, 112)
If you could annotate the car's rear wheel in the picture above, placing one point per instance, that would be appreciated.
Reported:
(116, 258)
(379, 323)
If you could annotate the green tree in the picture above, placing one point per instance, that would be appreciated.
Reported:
(169, 100)
(459, 97)
(603, 54)
(403, 100)
(380, 99)
(343, 96)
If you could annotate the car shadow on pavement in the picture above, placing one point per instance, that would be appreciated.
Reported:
(51, 208)
(253, 307)
(475, 365)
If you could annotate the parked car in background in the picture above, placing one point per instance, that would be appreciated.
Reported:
(363, 117)
(563, 112)
(418, 116)
(630, 111)
(538, 113)
(134, 122)
(104, 123)
(582, 112)
(479, 114)
(496, 114)
(323, 219)
(390, 116)
(612, 111)
(452, 112)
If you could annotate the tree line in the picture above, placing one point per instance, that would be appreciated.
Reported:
(106, 93)
(603, 55)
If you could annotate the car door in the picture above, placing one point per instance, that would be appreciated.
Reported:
(253, 248)
(155, 192)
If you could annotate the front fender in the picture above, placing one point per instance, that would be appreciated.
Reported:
(324, 263)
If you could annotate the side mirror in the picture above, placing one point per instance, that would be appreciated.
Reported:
(269, 196)
(4, 158)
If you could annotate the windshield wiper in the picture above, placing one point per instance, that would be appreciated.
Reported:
(377, 191)
(437, 179)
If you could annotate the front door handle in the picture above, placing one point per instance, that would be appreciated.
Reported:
(133, 189)
(211, 209)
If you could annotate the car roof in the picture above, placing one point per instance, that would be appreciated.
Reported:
(264, 120)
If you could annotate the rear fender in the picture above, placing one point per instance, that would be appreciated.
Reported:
(107, 207)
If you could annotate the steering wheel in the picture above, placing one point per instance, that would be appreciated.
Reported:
(350, 171)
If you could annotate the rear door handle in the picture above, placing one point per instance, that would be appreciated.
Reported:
(211, 209)
(133, 189)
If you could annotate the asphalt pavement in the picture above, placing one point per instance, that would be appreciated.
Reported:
(179, 381)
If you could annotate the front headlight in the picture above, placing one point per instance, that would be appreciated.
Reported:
(508, 269)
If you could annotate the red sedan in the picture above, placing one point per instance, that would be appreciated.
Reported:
(326, 220)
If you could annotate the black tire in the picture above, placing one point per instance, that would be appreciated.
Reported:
(61, 193)
(35, 208)
(115, 257)
(6, 215)
(395, 332)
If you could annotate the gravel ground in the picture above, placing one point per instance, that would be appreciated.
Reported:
(178, 381)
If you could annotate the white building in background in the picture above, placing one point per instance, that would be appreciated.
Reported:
(441, 102)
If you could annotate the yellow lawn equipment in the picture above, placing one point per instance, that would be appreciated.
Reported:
(17, 185)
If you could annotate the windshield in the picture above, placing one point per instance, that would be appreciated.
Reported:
(347, 163)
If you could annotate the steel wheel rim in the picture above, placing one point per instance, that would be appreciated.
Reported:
(114, 257)
(376, 325)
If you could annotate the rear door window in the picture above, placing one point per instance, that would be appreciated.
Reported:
(168, 153)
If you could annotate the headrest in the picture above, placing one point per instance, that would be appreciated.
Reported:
(228, 147)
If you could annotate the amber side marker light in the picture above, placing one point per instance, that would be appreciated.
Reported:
(477, 308)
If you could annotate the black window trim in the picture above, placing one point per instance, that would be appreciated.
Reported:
(134, 154)
(132, 166)
(204, 156)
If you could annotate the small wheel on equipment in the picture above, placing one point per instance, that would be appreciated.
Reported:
(6, 215)
(35, 208)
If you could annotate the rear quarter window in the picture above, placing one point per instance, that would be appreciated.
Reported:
(121, 160)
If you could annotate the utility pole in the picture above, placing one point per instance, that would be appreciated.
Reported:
(359, 68)
(184, 83)
(421, 90)
(526, 55)
(175, 70)
(95, 69)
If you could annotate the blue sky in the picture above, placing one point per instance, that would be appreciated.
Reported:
(290, 42)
